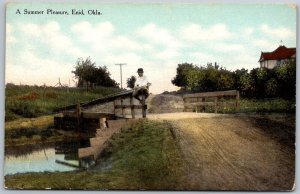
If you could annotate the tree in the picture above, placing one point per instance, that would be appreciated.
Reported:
(90, 76)
(180, 79)
(225, 80)
(247, 85)
(286, 79)
(131, 81)
(272, 87)
(237, 77)
(84, 71)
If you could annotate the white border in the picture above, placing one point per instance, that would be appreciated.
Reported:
(2, 80)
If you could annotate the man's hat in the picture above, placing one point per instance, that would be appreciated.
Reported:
(140, 70)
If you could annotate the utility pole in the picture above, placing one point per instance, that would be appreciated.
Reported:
(121, 64)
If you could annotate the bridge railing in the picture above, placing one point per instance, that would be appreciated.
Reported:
(198, 102)
(80, 111)
(121, 105)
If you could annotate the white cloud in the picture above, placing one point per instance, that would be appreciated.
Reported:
(195, 32)
(264, 45)
(243, 60)
(222, 47)
(279, 32)
(130, 58)
(10, 38)
(158, 35)
(52, 37)
(37, 70)
(102, 38)
(167, 54)
(248, 31)
(202, 58)
(89, 33)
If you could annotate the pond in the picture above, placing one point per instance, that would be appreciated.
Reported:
(59, 156)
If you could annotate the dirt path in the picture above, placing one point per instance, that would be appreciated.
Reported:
(234, 153)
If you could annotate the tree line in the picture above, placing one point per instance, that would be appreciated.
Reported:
(257, 83)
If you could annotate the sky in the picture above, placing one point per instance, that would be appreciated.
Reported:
(41, 48)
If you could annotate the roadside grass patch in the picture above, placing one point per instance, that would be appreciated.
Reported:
(275, 105)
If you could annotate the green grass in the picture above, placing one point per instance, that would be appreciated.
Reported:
(270, 105)
(143, 156)
(33, 101)
(276, 105)
(30, 131)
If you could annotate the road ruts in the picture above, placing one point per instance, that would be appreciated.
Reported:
(227, 153)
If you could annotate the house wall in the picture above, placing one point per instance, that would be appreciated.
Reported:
(271, 64)
(263, 64)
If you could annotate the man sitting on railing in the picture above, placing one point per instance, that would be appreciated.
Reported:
(141, 86)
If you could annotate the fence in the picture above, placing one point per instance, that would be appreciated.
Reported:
(199, 101)
(131, 106)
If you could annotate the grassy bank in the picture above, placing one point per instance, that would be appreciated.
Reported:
(33, 101)
(276, 105)
(30, 131)
(144, 156)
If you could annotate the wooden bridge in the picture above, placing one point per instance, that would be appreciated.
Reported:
(198, 102)
(84, 117)
(110, 119)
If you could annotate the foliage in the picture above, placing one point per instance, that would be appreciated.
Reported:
(202, 79)
(89, 75)
(131, 81)
(181, 76)
(258, 83)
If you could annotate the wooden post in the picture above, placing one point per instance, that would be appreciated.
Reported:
(216, 104)
(78, 115)
(184, 104)
(123, 110)
(143, 106)
(102, 123)
(237, 103)
(198, 108)
(114, 107)
(132, 108)
(203, 106)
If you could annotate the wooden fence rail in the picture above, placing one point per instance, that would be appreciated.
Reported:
(198, 101)
(131, 106)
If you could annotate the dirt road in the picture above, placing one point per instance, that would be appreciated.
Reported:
(224, 152)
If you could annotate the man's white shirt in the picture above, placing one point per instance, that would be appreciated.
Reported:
(141, 81)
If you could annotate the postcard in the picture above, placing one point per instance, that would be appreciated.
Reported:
(150, 96)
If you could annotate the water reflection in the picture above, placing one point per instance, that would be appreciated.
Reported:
(60, 156)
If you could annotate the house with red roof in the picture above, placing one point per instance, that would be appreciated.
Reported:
(280, 56)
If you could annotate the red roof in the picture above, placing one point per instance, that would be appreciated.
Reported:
(280, 53)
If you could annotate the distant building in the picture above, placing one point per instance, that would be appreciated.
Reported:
(280, 56)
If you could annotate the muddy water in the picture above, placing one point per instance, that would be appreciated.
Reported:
(60, 156)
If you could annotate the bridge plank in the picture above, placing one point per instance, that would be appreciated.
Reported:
(212, 94)
(131, 106)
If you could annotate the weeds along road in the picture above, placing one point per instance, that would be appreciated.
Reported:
(224, 152)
